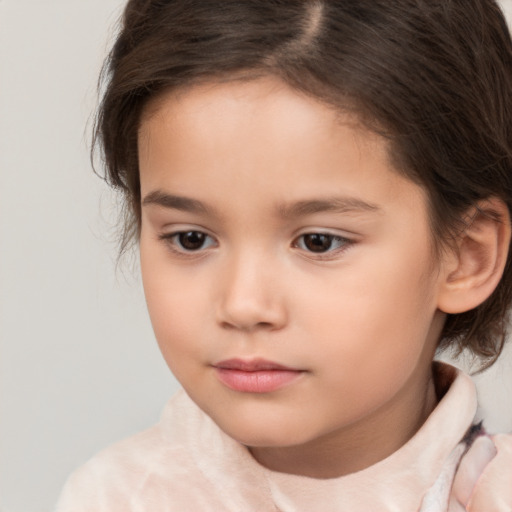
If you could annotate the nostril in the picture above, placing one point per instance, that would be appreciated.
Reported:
(248, 326)
(265, 325)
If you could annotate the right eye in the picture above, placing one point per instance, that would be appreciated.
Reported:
(188, 241)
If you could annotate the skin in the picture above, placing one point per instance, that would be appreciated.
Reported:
(263, 165)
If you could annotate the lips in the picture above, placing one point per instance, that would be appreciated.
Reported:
(255, 375)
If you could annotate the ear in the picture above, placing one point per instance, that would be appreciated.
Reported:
(473, 268)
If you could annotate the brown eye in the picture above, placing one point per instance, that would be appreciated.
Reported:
(321, 242)
(317, 242)
(188, 242)
(191, 240)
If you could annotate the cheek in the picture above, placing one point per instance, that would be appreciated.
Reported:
(173, 302)
(375, 316)
(372, 342)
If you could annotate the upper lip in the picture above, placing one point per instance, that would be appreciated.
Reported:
(251, 365)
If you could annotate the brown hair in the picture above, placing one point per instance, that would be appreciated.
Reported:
(433, 76)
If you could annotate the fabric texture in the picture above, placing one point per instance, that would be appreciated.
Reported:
(186, 463)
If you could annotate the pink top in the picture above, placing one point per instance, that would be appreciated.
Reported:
(186, 463)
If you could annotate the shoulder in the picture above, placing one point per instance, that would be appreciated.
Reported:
(129, 470)
(104, 479)
(483, 482)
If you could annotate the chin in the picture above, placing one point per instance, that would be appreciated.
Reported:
(264, 434)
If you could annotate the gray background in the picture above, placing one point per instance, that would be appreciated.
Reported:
(79, 368)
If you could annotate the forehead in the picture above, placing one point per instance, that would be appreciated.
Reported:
(254, 102)
(266, 107)
(261, 135)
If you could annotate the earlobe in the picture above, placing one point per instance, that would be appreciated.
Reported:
(473, 269)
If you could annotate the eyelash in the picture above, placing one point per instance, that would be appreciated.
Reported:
(172, 240)
(342, 243)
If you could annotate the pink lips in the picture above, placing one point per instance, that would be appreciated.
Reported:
(255, 376)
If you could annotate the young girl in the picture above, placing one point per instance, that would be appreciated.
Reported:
(321, 191)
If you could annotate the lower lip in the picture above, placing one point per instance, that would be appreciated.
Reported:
(263, 381)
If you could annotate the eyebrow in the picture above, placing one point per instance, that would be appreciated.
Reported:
(175, 202)
(294, 209)
(334, 205)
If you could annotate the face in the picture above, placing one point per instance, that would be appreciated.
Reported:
(287, 267)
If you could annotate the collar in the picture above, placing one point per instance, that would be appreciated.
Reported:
(397, 483)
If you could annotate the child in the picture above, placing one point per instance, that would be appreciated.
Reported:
(321, 191)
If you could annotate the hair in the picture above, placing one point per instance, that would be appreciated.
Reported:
(432, 76)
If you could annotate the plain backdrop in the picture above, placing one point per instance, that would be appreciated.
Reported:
(79, 368)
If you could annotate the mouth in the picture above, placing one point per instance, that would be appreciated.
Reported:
(255, 375)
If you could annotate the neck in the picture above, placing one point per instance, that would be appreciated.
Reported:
(361, 444)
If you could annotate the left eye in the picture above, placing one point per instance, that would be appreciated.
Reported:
(190, 241)
(320, 242)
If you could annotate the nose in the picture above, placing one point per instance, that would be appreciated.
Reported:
(251, 297)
